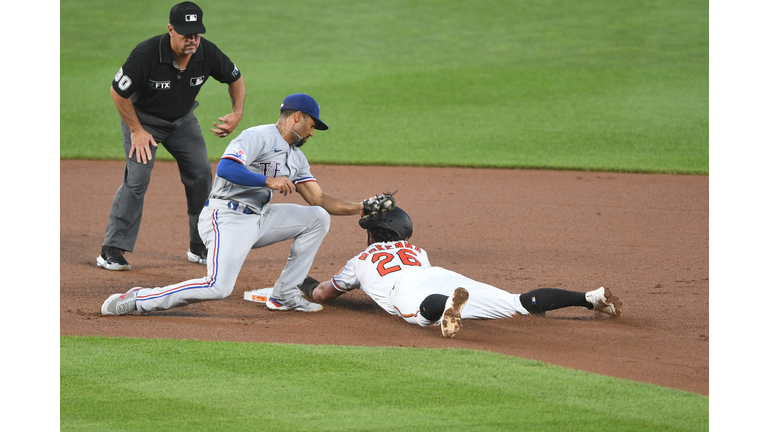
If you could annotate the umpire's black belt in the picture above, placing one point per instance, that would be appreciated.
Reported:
(236, 206)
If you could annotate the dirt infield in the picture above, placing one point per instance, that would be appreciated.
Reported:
(644, 236)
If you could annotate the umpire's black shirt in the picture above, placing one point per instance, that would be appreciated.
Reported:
(154, 83)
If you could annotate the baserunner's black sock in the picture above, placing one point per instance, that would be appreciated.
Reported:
(433, 306)
(541, 300)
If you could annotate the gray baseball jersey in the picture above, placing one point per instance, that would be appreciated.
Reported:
(239, 218)
(263, 151)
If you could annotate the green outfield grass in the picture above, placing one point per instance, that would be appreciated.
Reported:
(135, 384)
(588, 85)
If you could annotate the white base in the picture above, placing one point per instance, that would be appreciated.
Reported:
(258, 296)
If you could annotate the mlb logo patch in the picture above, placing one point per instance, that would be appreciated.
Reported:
(197, 81)
(190, 17)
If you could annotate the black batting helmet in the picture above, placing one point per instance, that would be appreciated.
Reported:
(395, 220)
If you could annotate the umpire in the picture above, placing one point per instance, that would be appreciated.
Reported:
(155, 92)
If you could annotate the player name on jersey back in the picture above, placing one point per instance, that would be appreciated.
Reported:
(378, 247)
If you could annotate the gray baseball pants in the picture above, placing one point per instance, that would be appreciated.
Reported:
(184, 140)
(230, 236)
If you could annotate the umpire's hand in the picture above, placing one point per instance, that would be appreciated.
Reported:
(228, 125)
(140, 141)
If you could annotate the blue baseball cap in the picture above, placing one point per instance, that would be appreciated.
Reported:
(307, 105)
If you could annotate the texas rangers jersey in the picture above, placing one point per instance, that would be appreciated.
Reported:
(379, 267)
(263, 151)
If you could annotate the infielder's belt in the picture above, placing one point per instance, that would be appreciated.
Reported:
(236, 206)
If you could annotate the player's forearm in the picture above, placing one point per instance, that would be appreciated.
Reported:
(325, 291)
(126, 111)
(237, 173)
(338, 207)
(237, 95)
(315, 196)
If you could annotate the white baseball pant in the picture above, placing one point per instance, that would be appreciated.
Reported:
(485, 301)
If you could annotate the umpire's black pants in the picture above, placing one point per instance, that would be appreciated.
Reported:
(184, 140)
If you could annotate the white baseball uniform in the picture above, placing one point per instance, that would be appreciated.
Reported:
(398, 277)
(239, 218)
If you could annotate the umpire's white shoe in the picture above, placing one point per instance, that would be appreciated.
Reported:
(120, 304)
(297, 303)
(605, 302)
(195, 258)
(112, 258)
(450, 323)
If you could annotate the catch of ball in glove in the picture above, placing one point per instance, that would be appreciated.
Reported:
(376, 206)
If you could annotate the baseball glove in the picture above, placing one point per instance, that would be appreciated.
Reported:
(308, 286)
(376, 206)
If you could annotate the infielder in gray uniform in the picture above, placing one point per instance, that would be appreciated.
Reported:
(398, 276)
(238, 215)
